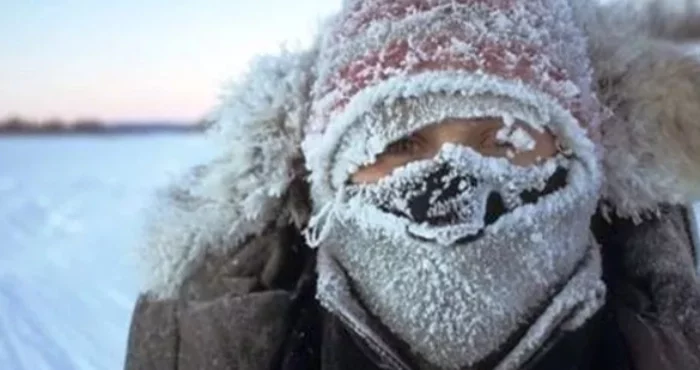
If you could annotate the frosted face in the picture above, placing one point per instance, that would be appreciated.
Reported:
(452, 197)
(455, 253)
(459, 234)
(522, 144)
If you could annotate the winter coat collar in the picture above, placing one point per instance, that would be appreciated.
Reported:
(334, 293)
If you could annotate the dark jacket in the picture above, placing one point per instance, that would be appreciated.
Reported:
(256, 309)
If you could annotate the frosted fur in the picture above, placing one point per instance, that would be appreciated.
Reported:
(651, 81)
(258, 126)
(456, 304)
(668, 19)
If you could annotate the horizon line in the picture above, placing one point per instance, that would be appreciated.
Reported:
(126, 120)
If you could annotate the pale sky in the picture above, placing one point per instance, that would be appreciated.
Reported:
(137, 59)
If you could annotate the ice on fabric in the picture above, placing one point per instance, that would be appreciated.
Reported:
(456, 305)
(361, 53)
(447, 197)
(374, 130)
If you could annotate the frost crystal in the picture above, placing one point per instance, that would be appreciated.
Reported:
(448, 198)
(454, 272)
(517, 137)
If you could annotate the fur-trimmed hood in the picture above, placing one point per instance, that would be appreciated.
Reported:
(648, 75)
(648, 78)
(254, 183)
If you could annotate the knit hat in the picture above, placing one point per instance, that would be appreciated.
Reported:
(388, 68)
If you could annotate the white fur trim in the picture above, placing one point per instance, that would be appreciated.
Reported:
(653, 87)
(259, 126)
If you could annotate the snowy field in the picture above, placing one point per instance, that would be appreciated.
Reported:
(70, 214)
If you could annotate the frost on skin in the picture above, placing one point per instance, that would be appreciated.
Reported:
(517, 137)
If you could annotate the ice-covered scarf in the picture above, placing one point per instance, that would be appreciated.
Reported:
(457, 254)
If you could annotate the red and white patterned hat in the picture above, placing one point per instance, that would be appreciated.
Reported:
(524, 59)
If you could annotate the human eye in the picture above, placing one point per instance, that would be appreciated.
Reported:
(405, 146)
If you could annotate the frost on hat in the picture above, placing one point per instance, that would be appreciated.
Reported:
(443, 58)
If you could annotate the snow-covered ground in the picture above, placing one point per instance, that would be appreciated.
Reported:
(70, 214)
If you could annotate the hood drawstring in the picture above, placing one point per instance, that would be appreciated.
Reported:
(321, 224)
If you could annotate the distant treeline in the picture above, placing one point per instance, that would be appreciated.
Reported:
(17, 125)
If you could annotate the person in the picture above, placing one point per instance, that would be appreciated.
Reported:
(441, 184)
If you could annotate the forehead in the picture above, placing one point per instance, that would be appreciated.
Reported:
(458, 125)
(365, 137)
